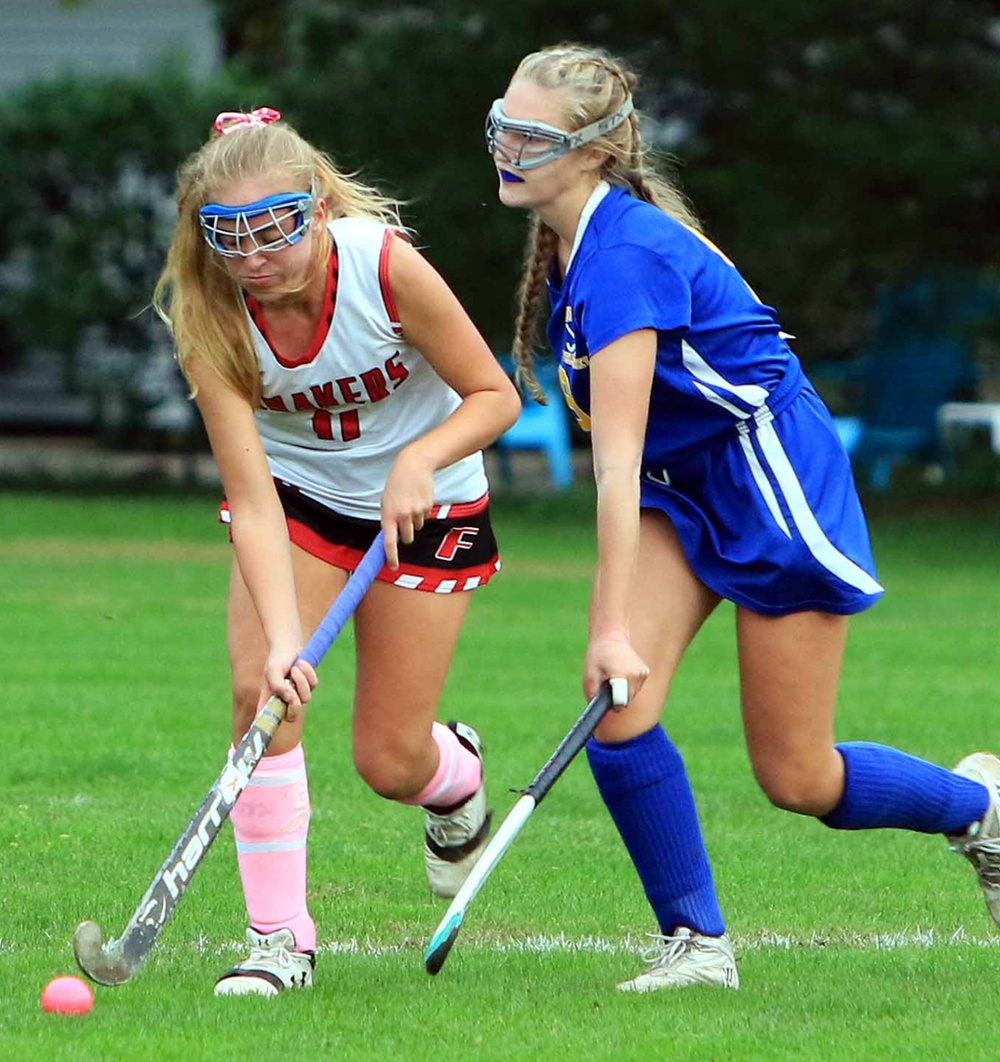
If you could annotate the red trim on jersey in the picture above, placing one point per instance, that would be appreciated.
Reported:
(322, 325)
(414, 577)
(459, 509)
(383, 281)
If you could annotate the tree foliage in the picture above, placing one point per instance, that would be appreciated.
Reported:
(830, 148)
(86, 202)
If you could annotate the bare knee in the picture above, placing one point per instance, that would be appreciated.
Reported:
(393, 769)
(246, 694)
(804, 786)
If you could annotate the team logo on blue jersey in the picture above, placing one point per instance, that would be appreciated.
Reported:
(569, 356)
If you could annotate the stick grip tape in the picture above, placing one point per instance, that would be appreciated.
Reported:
(347, 601)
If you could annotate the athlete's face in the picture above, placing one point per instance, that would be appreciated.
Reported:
(266, 273)
(525, 100)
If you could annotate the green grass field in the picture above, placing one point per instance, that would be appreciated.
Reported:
(115, 702)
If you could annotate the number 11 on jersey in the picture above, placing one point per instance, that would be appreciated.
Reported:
(343, 426)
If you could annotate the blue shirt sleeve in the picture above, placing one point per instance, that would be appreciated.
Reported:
(625, 288)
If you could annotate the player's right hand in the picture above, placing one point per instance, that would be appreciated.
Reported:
(406, 500)
(611, 657)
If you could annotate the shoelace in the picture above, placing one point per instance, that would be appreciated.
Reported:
(668, 949)
(451, 829)
(442, 833)
(985, 856)
(274, 956)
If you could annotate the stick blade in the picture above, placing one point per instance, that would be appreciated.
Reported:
(102, 963)
(440, 945)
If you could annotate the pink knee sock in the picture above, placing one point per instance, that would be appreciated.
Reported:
(458, 773)
(271, 824)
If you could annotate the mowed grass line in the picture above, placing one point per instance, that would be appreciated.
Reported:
(116, 690)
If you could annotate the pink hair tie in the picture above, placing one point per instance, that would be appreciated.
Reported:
(230, 120)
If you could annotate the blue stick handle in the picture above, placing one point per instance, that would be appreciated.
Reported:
(347, 601)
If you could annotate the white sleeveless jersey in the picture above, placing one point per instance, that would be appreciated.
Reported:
(332, 423)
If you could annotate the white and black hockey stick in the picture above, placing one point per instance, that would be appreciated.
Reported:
(447, 930)
(116, 961)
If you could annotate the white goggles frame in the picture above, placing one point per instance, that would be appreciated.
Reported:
(276, 211)
(531, 132)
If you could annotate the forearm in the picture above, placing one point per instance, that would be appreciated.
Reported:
(617, 550)
(478, 422)
(260, 540)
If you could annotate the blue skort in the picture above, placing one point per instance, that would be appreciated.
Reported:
(769, 515)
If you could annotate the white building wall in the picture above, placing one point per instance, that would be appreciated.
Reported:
(40, 39)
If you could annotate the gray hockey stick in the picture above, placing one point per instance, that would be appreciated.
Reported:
(114, 962)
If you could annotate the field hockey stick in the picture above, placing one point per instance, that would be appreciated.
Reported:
(575, 739)
(115, 962)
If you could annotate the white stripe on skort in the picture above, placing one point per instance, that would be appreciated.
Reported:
(812, 534)
(763, 483)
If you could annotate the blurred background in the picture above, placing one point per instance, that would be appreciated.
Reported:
(846, 156)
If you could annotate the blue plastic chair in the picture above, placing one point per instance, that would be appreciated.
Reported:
(920, 356)
(539, 427)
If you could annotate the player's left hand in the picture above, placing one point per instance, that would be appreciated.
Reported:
(289, 678)
(407, 499)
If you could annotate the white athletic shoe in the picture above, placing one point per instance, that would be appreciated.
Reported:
(687, 958)
(980, 843)
(272, 966)
(454, 841)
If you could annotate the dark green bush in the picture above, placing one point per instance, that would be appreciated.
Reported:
(833, 150)
(86, 208)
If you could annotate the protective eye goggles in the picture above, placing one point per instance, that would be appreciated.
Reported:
(268, 225)
(526, 145)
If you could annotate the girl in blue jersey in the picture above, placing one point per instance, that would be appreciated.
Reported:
(719, 476)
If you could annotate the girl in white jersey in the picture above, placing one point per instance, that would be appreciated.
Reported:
(719, 476)
(343, 388)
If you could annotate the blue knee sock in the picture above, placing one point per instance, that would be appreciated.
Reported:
(645, 787)
(884, 787)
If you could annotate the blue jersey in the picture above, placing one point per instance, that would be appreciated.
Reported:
(721, 354)
(740, 452)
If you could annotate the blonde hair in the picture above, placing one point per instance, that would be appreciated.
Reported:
(195, 295)
(594, 85)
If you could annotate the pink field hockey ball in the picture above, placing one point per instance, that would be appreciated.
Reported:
(67, 995)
